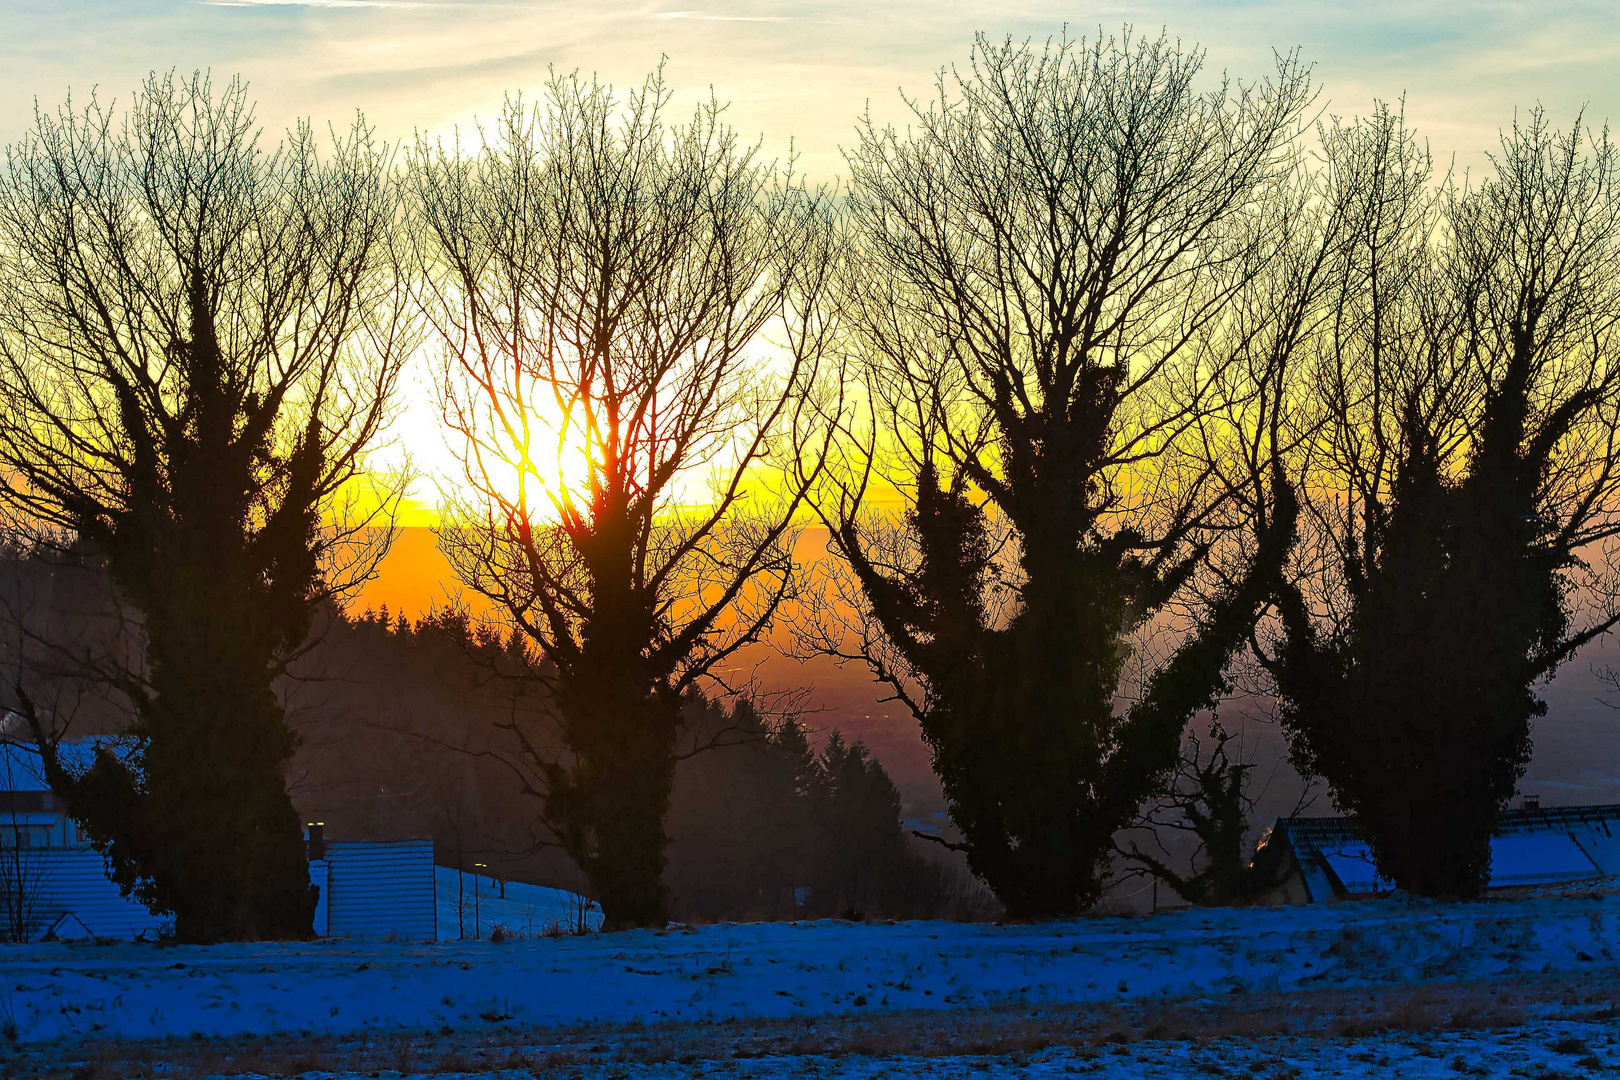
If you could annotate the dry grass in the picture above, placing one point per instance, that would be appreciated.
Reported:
(1324, 1014)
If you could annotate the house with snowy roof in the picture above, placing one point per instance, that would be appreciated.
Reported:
(1322, 859)
(30, 815)
(53, 884)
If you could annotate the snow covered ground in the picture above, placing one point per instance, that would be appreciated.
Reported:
(473, 906)
(1455, 1030)
(1546, 1050)
(60, 998)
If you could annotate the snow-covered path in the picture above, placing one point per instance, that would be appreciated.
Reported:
(140, 991)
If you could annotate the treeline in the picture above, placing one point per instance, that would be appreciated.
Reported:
(406, 730)
(1164, 381)
(766, 828)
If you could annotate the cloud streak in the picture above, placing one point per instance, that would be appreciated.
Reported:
(319, 3)
(452, 6)
(702, 16)
(429, 5)
(437, 63)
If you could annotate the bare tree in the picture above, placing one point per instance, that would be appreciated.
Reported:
(1209, 800)
(23, 870)
(1466, 485)
(1259, 441)
(600, 281)
(199, 337)
(1050, 253)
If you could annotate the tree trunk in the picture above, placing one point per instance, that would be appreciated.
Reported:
(609, 806)
(229, 851)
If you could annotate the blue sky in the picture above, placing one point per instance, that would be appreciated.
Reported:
(793, 69)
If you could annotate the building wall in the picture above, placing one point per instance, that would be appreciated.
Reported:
(380, 889)
(42, 885)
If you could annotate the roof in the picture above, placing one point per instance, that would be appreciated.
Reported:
(1531, 847)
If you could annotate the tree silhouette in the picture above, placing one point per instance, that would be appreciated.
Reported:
(600, 281)
(1049, 254)
(197, 345)
(1465, 480)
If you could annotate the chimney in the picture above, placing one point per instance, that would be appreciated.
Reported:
(315, 840)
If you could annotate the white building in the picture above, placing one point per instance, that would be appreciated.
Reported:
(54, 884)
(30, 816)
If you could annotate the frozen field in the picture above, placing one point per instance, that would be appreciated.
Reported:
(1549, 1050)
(1503, 982)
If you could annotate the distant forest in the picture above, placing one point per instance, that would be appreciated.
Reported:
(406, 731)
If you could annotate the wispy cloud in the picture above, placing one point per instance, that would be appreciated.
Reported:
(334, 4)
(315, 3)
(703, 16)
(429, 64)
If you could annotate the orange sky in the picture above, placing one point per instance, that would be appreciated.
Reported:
(415, 577)
(1577, 743)
(412, 579)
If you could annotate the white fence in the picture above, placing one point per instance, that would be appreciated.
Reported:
(378, 889)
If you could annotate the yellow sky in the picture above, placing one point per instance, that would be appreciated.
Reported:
(797, 72)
